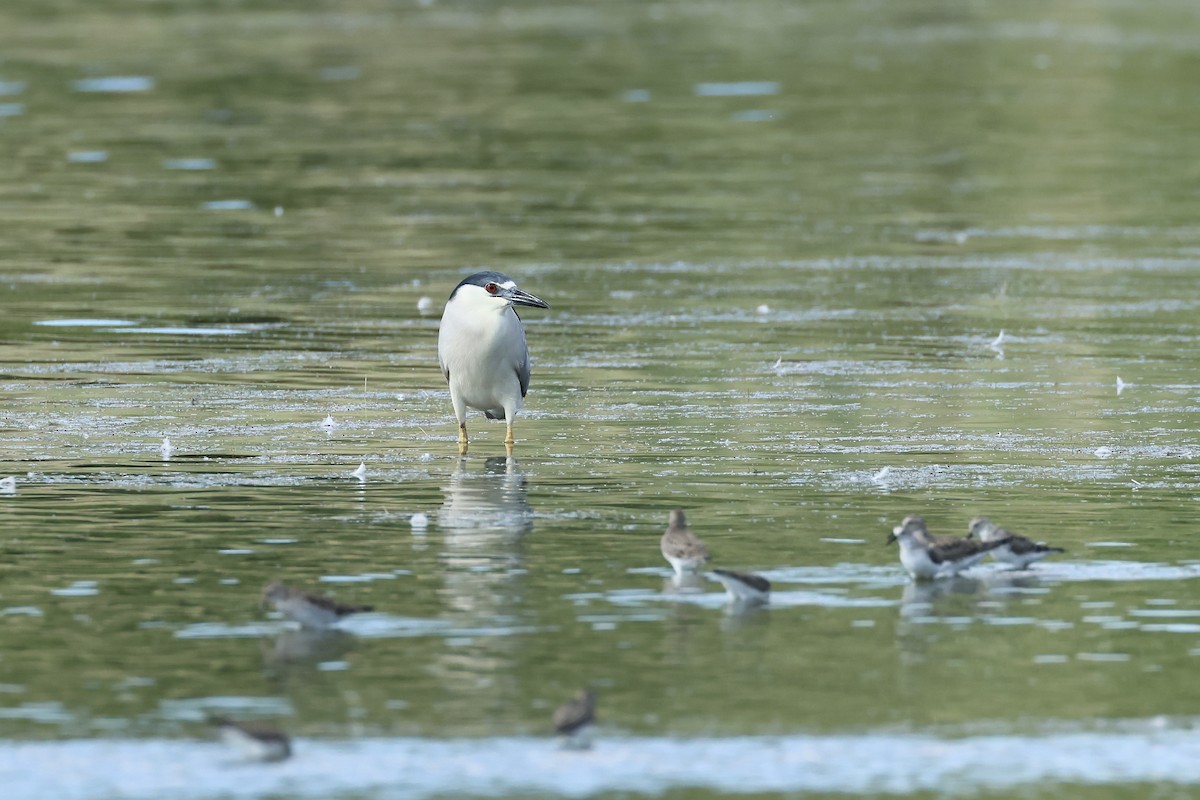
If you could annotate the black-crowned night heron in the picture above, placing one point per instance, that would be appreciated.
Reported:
(482, 350)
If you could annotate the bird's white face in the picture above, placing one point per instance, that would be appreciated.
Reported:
(274, 593)
(981, 527)
(492, 296)
(912, 529)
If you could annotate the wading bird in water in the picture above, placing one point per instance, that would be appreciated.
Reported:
(482, 350)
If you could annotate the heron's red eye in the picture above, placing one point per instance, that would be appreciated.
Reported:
(491, 288)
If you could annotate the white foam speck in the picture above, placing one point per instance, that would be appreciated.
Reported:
(419, 520)
(328, 423)
(425, 305)
(1103, 452)
(166, 448)
(361, 472)
(8, 485)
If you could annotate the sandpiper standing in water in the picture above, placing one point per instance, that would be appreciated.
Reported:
(310, 610)
(682, 548)
(256, 741)
(924, 557)
(573, 719)
(744, 587)
(1013, 549)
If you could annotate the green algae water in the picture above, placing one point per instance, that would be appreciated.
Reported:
(812, 267)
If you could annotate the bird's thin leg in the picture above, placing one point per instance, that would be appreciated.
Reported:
(509, 440)
(462, 438)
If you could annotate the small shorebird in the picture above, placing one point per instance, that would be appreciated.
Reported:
(924, 557)
(1014, 549)
(744, 587)
(310, 610)
(482, 349)
(256, 741)
(681, 547)
(573, 718)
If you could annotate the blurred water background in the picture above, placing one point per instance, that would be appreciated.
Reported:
(812, 267)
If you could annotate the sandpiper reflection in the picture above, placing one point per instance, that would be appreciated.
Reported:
(954, 596)
(303, 648)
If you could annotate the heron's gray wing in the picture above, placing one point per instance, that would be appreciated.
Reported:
(523, 366)
(523, 375)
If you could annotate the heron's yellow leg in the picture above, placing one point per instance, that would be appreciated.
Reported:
(462, 439)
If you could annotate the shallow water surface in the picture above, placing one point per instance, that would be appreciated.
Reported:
(811, 268)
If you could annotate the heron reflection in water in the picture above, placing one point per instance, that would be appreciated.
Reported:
(484, 516)
(479, 505)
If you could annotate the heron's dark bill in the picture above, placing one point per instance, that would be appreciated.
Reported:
(520, 297)
(891, 538)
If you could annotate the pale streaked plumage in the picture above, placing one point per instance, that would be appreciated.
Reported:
(682, 548)
(310, 610)
(925, 558)
(1014, 549)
